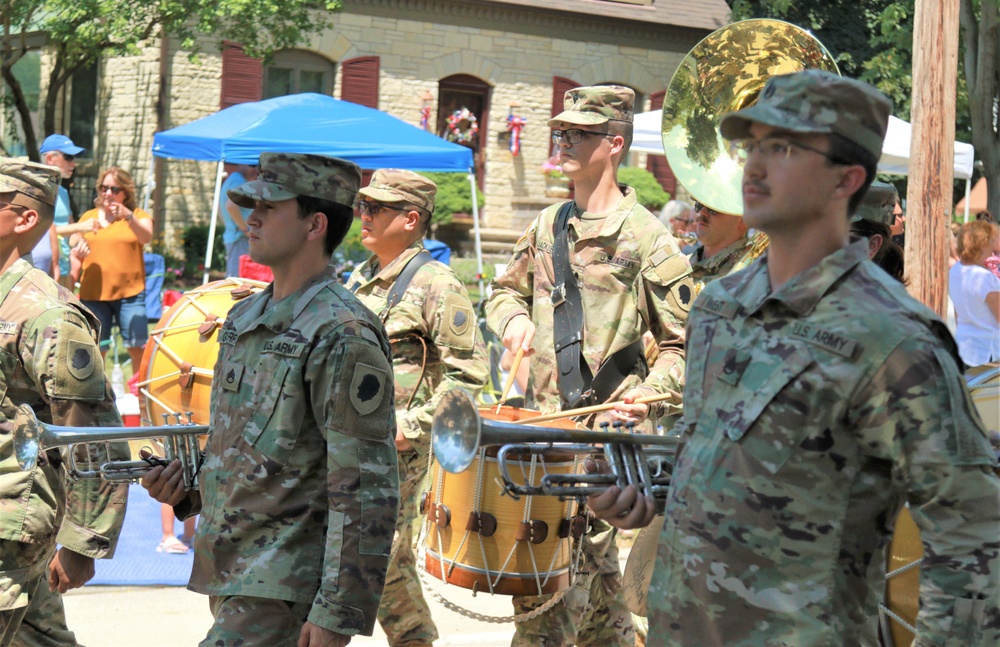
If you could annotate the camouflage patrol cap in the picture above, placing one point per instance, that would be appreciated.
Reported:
(392, 185)
(594, 105)
(36, 181)
(878, 205)
(284, 176)
(815, 101)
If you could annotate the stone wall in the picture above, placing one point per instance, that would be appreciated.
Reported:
(515, 51)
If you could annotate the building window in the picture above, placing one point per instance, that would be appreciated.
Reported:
(83, 108)
(28, 72)
(292, 71)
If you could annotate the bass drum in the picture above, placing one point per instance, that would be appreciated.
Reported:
(176, 369)
(902, 587)
(480, 538)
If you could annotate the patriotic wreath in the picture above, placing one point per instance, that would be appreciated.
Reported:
(462, 126)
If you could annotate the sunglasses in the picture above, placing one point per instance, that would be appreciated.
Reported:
(104, 188)
(67, 156)
(373, 208)
(699, 207)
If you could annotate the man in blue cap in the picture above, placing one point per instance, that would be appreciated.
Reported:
(60, 151)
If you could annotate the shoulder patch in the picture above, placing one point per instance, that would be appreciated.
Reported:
(458, 322)
(80, 360)
(367, 388)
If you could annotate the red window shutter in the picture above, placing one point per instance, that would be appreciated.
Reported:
(359, 81)
(560, 86)
(657, 164)
(242, 76)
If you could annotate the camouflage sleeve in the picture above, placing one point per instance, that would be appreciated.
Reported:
(513, 290)
(67, 364)
(452, 329)
(350, 384)
(664, 301)
(917, 413)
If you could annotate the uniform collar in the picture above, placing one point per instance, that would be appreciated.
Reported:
(279, 316)
(392, 270)
(612, 223)
(753, 288)
(719, 259)
(14, 273)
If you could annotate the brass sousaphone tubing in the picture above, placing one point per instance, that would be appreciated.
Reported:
(635, 459)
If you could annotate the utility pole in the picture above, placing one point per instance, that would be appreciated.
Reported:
(929, 193)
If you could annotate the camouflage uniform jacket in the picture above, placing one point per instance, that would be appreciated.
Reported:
(704, 270)
(631, 276)
(436, 343)
(51, 361)
(810, 416)
(299, 486)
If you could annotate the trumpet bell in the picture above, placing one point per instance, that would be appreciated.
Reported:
(456, 431)
(725, 72)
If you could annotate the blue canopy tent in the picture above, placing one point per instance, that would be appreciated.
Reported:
(313, 123)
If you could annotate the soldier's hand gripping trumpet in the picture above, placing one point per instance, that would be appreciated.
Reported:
(459, 432)
(85, 447)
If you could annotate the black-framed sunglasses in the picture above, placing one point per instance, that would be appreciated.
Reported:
(575, 135)
(67, 156)
(699, 207)
(104, 188)
(373, 208)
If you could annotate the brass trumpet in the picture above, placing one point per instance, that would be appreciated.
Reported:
(179, 441)
(635, 459)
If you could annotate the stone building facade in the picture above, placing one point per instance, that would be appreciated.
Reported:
(520, 53)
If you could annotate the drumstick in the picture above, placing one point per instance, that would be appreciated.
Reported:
(510, 378)
(572, 413)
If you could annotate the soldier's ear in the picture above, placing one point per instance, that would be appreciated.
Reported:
(412, 220)
(28, 220)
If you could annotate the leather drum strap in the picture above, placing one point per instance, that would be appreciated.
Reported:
(567, 315)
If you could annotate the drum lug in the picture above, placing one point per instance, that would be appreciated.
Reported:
(534, 531)
(242, 292)
(482, 522)
(211, 323)
(425, 502)
(186, 377)
(575, 526)
(441, 515)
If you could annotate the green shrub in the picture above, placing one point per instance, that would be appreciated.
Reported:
(194, 241)
(648, 191)
(453, 196)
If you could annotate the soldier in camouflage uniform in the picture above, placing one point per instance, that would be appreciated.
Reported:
(632, 277)
(299, 486)
(722, 242)
(872, 220)
(51, 361)
(821, 400)
(436, 348)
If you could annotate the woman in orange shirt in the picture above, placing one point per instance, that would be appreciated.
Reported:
(113, 284)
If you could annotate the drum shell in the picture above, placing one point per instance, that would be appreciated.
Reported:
(532, 568)
(177, 340)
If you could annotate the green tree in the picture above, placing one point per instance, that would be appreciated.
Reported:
(80, 32)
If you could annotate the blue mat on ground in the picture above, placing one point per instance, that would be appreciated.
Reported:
(136, 562)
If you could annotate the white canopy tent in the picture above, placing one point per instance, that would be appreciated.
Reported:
(647, 138)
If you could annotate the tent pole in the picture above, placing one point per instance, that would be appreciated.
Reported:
(968, 190)
(211, 224)
(479, 241)
(149, 184)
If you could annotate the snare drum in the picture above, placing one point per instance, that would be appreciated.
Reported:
(480, 538)
(176, 369)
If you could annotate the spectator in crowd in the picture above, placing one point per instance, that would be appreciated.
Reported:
(60, 151)
(234, 217)
(113, 284)
(975, 291)
(678, 217)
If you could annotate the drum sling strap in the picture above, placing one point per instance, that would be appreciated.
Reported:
(577, 385)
